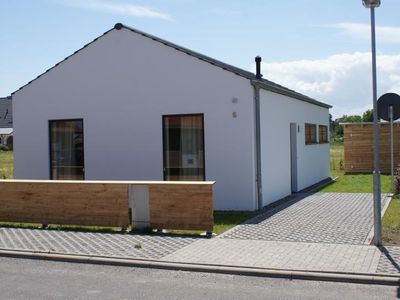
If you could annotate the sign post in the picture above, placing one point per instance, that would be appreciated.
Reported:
(389, 110)
(391, 147)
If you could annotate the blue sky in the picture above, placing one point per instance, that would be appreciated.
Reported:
(317, 47)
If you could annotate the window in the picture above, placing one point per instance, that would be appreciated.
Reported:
(183, 147)
(311, 133)
(323, 134)
(66, 150)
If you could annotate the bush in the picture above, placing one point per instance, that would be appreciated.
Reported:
(4, 148)
(397, 180)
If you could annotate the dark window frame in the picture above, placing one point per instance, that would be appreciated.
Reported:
(50, 152)
(324, 139)
(308, 135)
(164, 141)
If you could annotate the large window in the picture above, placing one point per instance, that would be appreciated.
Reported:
(183, 147)
(322, 134)
(310, 133)
(66, 150)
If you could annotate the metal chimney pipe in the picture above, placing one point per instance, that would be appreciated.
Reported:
(258, 67)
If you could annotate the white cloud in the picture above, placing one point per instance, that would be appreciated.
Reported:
(343, 80)
(119, 8)
(385, 34)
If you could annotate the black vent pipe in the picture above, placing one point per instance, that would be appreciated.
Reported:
(258, 67)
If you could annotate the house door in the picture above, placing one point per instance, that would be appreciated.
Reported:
(183, 137)
(293, 156)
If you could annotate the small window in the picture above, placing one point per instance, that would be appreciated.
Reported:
(323, 134)
(311, 133)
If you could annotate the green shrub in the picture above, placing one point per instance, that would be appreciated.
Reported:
(4, 148)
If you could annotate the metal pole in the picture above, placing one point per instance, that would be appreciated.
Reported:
(391, 147)
(376, 173)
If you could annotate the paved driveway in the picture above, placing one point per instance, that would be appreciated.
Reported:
(336, 218)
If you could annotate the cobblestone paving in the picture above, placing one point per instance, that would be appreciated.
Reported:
(344, 218)
(88, 243)
(390, 260)
(281, 255)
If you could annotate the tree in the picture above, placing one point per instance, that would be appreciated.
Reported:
(368, 116)
(338, 131)
(349, 119)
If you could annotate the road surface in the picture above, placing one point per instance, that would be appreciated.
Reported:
(38, 279)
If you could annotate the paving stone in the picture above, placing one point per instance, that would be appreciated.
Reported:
(280, 255)
(389, 260)
(344, 218)
(91, 243)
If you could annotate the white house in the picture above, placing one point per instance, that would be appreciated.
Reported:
(132, 106)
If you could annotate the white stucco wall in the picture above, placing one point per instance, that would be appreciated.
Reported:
(277, 112)
(121, 85)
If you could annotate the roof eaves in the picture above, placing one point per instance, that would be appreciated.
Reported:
(276, 88)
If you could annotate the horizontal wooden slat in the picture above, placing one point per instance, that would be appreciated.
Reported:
(358, 147)
(182, 206)
(73, 203)
(173, 205)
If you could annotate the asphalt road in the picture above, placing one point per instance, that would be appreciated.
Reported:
(35, 279)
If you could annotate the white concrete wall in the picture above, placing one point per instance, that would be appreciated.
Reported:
(277, 112)
(121, 85)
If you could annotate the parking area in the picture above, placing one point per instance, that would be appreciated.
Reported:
(335, 218)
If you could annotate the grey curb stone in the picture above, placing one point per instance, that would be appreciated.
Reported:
(301, 275)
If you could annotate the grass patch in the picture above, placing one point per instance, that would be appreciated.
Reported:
(350, 183)
(336, 159)
(223, 220)
(226, 220)
(391, 223)
(6, 164)
(358, 183)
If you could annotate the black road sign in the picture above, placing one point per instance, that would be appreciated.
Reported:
(384, 102)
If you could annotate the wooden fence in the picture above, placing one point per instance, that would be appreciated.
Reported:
(162, 205)
(358, 147)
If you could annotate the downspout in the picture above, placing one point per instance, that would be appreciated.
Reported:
(257, 118)
(258, 144)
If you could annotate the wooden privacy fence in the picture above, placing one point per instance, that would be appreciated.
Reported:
(358, 147)
(160, 205)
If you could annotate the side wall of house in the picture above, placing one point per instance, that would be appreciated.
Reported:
(122, 85)
(277, 112)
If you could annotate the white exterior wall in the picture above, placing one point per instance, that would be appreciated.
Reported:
(121, 85)
(277, 112)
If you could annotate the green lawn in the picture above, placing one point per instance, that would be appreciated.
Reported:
(350, 183)
(359, 183)
(6, 164)
(391, 223)
(337, 159)
(226, 220)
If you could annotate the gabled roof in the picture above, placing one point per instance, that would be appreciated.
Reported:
(6, 113)
(263, 83)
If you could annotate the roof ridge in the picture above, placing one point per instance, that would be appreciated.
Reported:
(263, 83)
